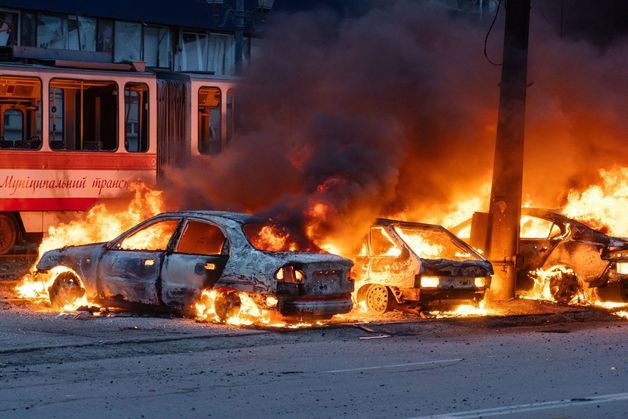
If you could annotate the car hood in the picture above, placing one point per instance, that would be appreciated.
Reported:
(67, 256)
(447, 267)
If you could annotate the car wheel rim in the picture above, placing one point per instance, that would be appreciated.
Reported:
(377, 299)
(564, 288)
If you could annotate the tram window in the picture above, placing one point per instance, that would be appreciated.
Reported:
(209, 120)
(83, 115)
(136, 117)
(20, 108)
(230, 115)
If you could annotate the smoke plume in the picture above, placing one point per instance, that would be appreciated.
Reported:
(345, 120)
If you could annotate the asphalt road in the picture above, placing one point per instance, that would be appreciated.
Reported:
(539, 366)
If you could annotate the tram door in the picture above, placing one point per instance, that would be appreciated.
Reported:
(172, 133)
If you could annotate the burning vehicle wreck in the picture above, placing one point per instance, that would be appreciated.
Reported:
(172, 259)
(406, 262)
(567, 256)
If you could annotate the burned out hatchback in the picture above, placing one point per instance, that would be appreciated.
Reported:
(168, 260)
(403, 262)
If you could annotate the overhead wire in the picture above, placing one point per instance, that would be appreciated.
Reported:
(488, 33)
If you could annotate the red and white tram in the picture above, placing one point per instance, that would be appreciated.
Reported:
(70, 137)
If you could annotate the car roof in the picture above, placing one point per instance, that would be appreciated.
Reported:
(391, 222)
(238, 217)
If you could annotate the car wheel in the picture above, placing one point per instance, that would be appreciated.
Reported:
(377, 299)
(565, 287)
(66, 289)
(227, 304)
(8, 233)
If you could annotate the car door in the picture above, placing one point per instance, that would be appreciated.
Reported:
(196, 262)
(389, 261)
(129, 270)
(537, 238)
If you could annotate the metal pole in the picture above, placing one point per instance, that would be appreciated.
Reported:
(505, 205)
(239, 24)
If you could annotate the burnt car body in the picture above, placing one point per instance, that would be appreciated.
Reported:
(403, 262)
(169, 259)
(548, 239)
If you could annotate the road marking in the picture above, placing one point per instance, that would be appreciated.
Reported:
(531, 407)
(409, 364)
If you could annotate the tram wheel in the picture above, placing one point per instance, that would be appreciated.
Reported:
(8, 233)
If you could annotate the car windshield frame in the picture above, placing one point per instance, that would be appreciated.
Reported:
(452, 238)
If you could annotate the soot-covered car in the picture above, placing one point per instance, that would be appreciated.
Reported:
(576, 256)
(404, 262)
(169, 259)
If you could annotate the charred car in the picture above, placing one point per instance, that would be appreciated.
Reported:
(583, 258)
(405, 262)
(166, 261)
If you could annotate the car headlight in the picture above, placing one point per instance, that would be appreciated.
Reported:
(622, 268)
(430, 282)
(481, 282)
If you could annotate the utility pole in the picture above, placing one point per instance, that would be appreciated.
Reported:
(505, 205)
(239, 24)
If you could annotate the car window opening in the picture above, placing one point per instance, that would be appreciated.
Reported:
(272, 237)
(202, 239)
(154, 237)
(435, 244)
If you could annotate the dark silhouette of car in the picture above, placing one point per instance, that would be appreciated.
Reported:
(580, 257)
(414, 263)
(166, 261)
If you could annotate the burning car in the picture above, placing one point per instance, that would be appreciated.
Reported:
(404, 262)
(168, 260)
(573, 256)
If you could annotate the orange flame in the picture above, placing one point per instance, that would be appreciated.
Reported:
(99, 224)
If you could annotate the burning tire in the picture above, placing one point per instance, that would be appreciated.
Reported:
(227, 304)
(377, 298)
(66, 289)
(8, 233)
(565, 287)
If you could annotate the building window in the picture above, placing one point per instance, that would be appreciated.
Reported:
(8, 29)
(136, 117)
(127, 42)
(28, 29)
(105, 35)
(50, 32)
(83, 115)
(211, 53)
(74, 33)
(20, 107)
(209, 120)
(81, 33)
(157, 46)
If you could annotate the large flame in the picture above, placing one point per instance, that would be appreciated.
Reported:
(245, 313)
(99, 224)
(604, 205)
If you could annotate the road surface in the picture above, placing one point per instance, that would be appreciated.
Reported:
(550, 367)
